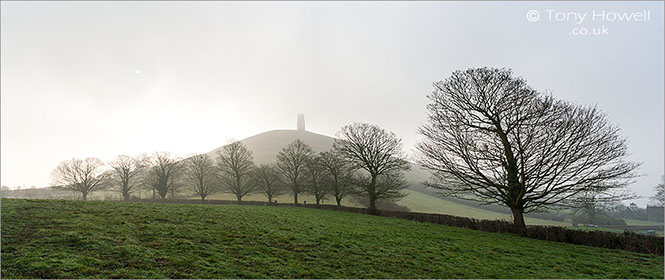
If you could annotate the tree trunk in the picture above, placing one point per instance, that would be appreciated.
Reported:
(203, 198)
(85, 196)
(518, 220)
(239, 198)
(372, 205)
(269, 199)
(372, 195)
(125, 195)
(295, 198)
(339, 201)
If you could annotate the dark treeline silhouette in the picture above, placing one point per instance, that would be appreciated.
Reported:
(366, 163)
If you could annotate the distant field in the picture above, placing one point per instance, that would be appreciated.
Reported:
(421, 202)
(286, 198)
(632, 222)
(616, 230)
(74, 239)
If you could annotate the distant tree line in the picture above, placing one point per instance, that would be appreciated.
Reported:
(366, 161)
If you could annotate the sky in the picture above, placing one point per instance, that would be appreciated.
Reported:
(100, 79)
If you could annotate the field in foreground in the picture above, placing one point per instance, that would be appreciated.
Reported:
(73, 239)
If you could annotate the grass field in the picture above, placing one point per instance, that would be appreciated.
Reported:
(632, 222)
(74, 239)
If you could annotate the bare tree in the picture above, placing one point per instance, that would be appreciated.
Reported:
(235, 163)
(492, 138)
(164, 173)
(200, 173)
(125, 174)
(340, 173)
(150, 181)
(594, 201)
(388, 186)
(291, 161)
(659, 198)
(268, 180)
(175, 182)
(377, 152)
(318, 179)
(81, 175)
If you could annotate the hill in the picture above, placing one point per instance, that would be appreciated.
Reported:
(74, 239)
(423, 202)
(265, 146)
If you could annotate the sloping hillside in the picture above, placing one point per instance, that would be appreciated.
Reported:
(74, 239)
(419, 201)
(265, 146)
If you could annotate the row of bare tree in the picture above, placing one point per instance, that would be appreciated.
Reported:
(366, 161)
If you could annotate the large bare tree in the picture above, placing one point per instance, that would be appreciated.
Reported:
(164, 173)
(379, 154)
(340, 173)
(125, 174)
(81, 175)
(291, 162)
(492, 138)
(267, 179)
(235, 163)
(200, 174)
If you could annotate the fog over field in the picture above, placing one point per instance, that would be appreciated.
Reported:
(100, 79)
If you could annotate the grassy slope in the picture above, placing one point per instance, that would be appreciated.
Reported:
(421, 202)
(632, 222)
(72, 239)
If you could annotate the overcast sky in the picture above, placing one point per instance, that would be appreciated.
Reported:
(100, 79)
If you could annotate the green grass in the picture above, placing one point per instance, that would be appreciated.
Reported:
(422, 202)
(632, 222)
(74, 239)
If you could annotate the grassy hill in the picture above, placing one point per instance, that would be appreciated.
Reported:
(74, 239)
(265, 146)
(426, 203)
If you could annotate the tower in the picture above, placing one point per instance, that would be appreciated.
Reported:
(301, 122)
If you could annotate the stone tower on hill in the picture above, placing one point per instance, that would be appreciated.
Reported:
(301, 122)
